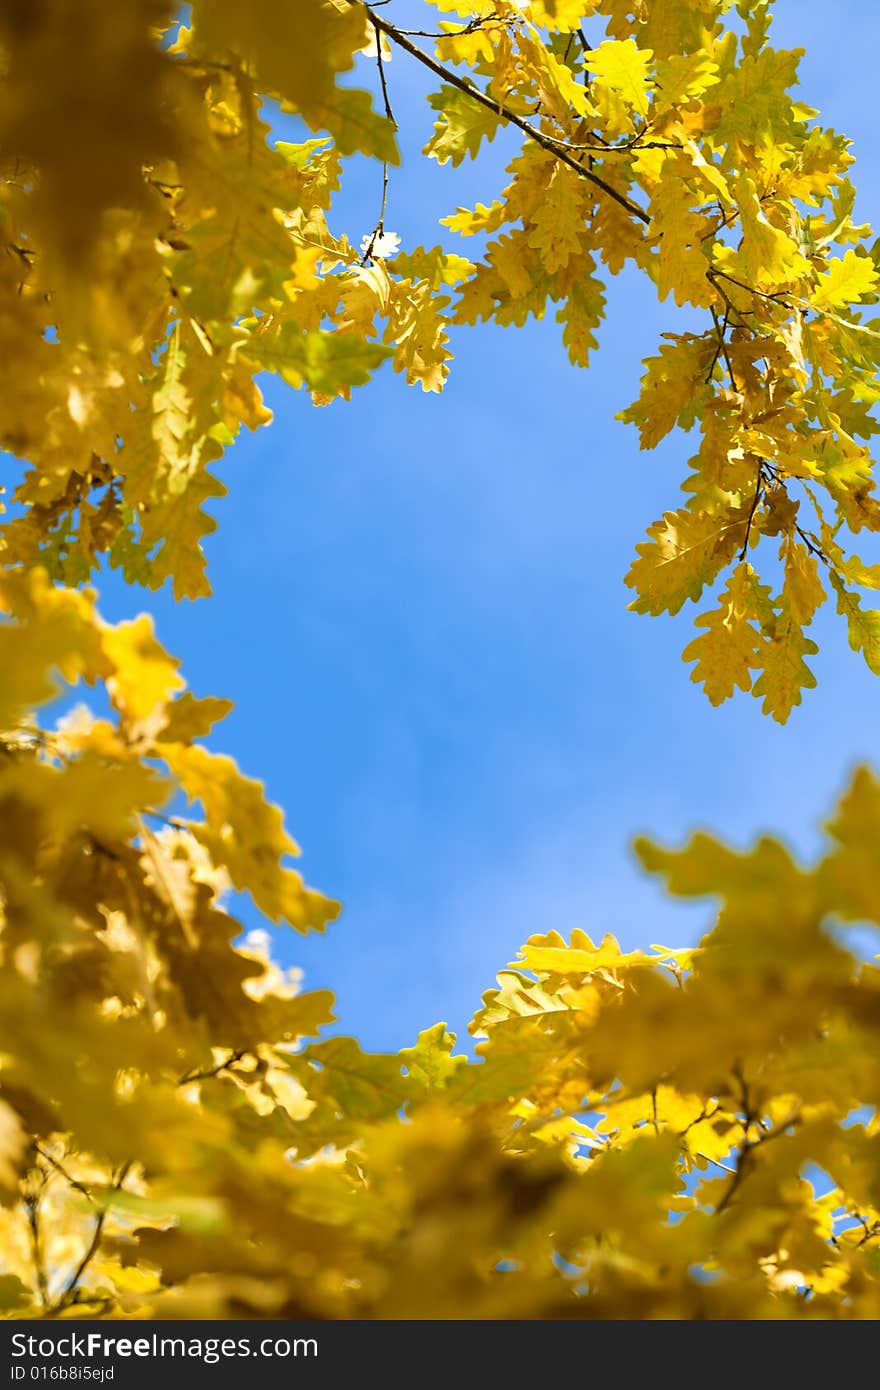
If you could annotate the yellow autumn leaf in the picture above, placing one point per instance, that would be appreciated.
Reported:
(144, 676)
(623, 68)
(682, 77)
(726, 653)
(577, 960)
(769, 255)
(684, 552)
(847, 280)
(245, 834)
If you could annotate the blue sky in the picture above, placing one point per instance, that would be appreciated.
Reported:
(420, 615)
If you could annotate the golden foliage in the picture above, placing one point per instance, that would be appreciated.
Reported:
(158, 256)
(651, 1134)
(157, 1079)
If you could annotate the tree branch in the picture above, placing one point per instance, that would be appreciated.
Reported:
(780, 299)
(545, 141)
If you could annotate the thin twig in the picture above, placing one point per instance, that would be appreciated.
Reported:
(600, 147)
(808, 539)
(174, 821)
(759, 488)
(779, 298)
(749, 1146)
(742, 1162)
(726, 219)
(69, 1292)
(870, 1232)
(381, 65)
(470, 28)
(380, 225)
(716, 1163)
(720, 330)
(728, 302)
(744, 1156)
(210, 1072)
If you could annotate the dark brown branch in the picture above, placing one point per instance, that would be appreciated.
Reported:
(870, 1231)
(600, 147)
(705, 1114)
(729, 305)
(32, 1206)
(811, 542)
(174, 821)
(469, 28)
(759, 489)
(504, 112)
(743, 1158)
(807, 538)
(210, 1072)
(749, 1146)
(779, 298)
(380, 62)
(743, 1161)
(720, 344)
